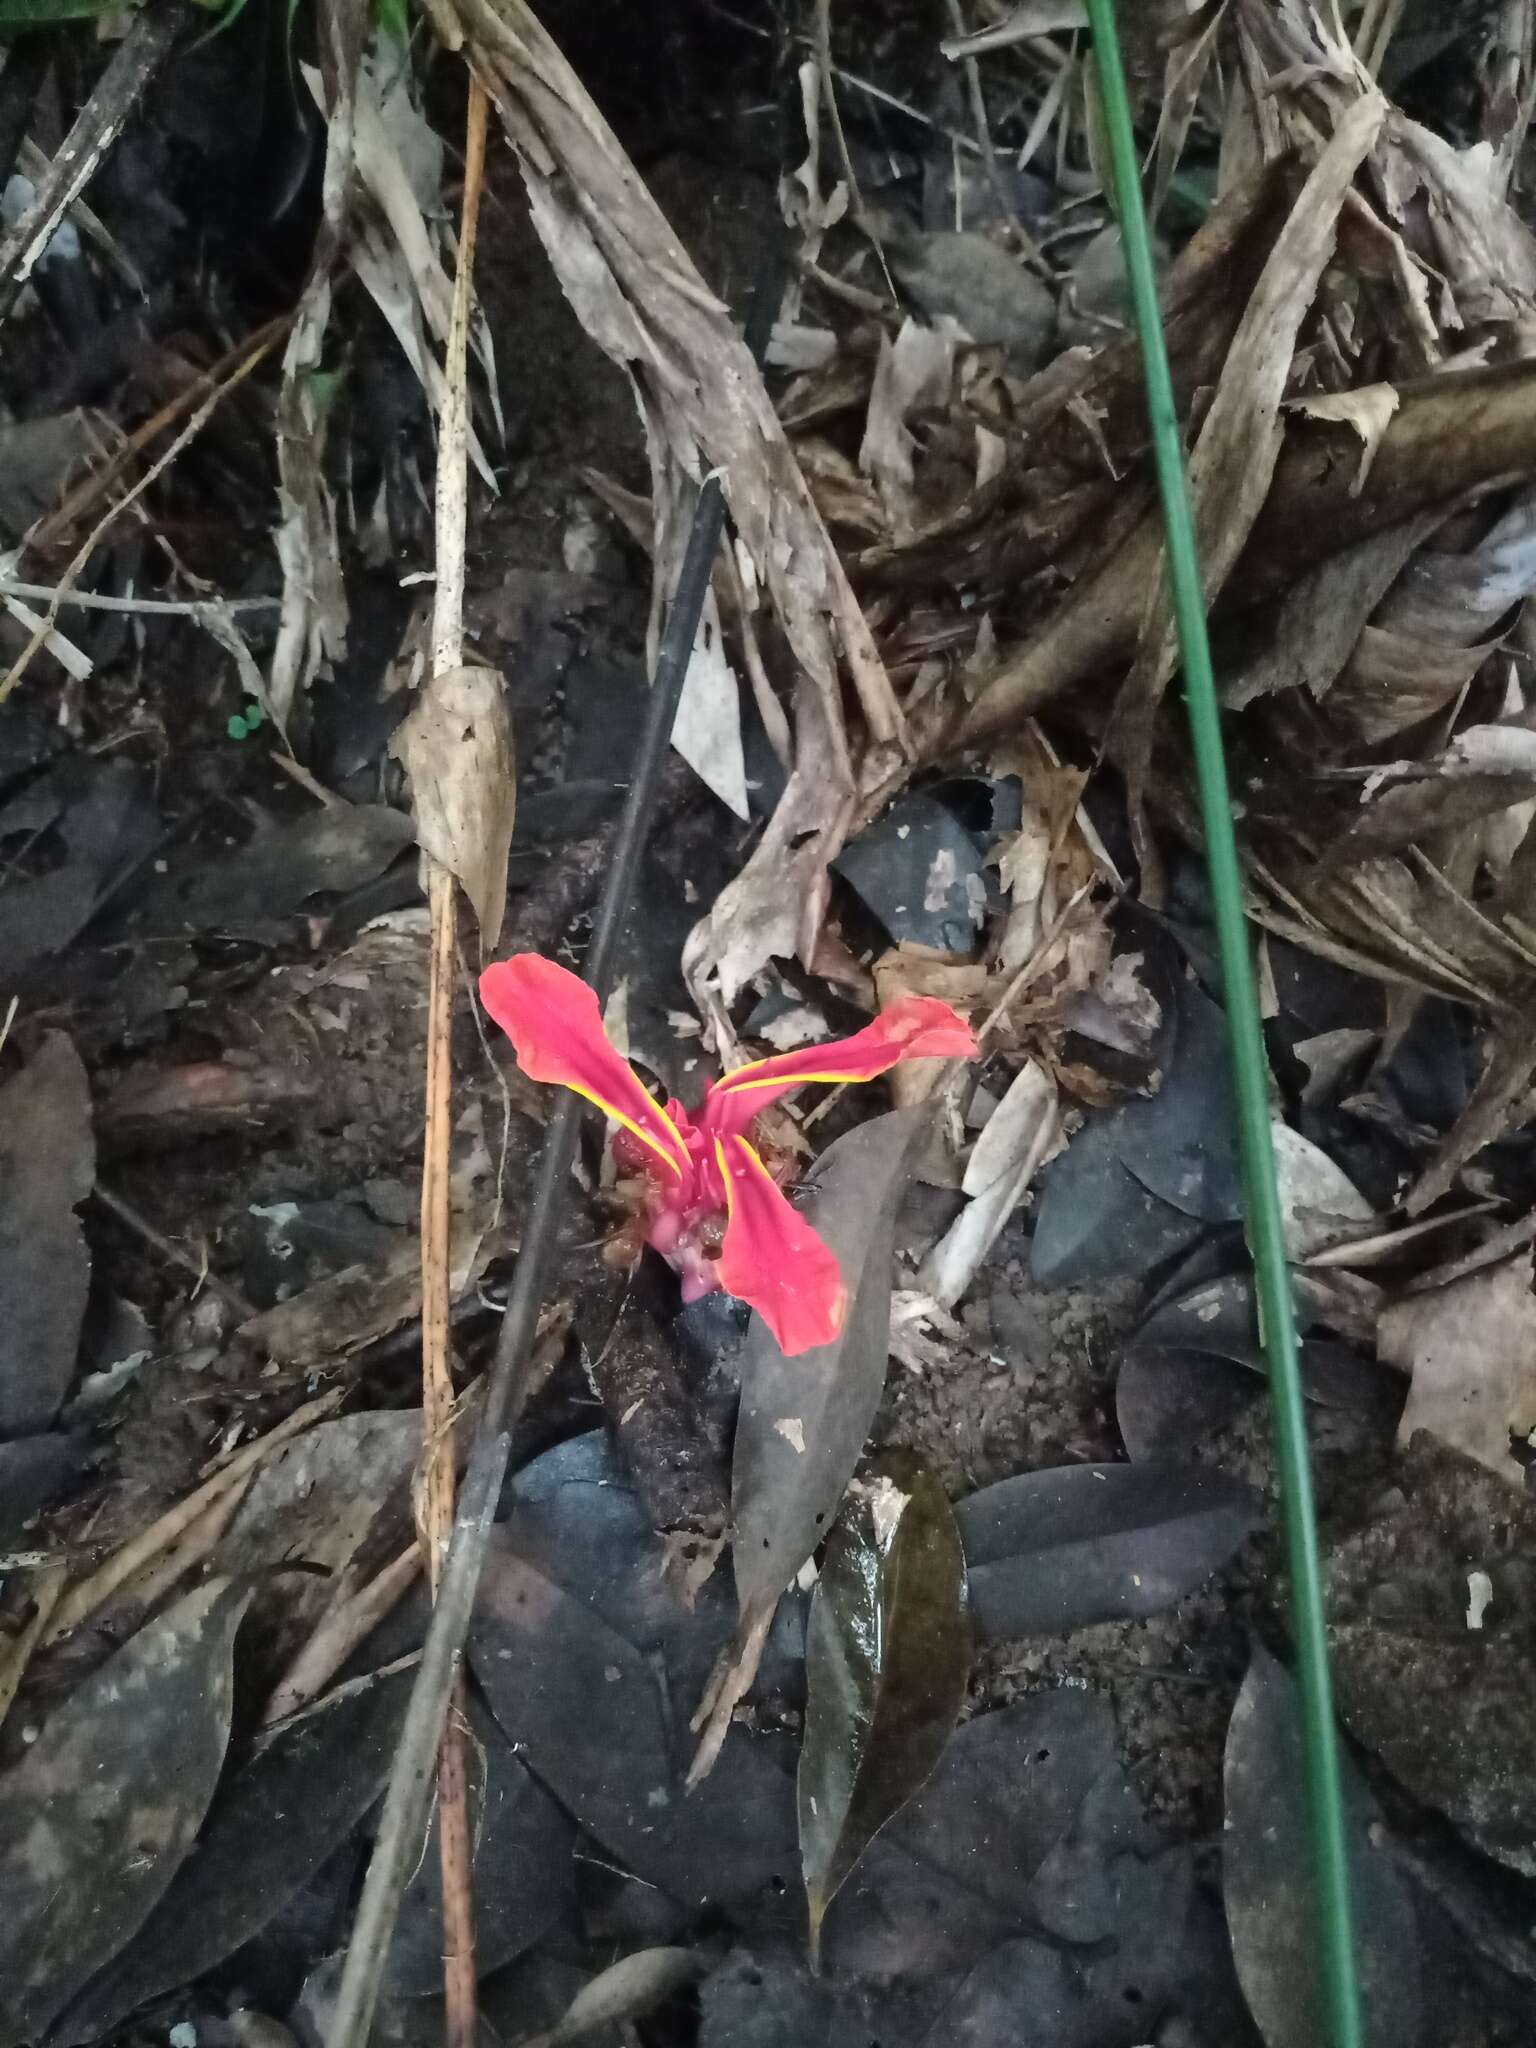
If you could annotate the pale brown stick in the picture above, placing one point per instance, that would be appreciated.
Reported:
(461, 2024)
(196, 1543)
(83, 1600)
(350, 1621)
(16, 1655)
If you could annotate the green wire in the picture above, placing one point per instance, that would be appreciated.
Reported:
(1266, 1233)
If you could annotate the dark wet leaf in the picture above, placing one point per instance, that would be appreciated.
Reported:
(803, 1420)
(96, 1818)
(1103, 1204)
(1081, 1544)
(522, 1845)
(1267, 1863)
(574, 1514)
(920, 872)
(33, 1472)
(600, 1725)
(103, 814)
(1195, 1367)
(777, 2003)
(270, 1827)
(968, 1863)
(887, 1653)
(331, 850)
(47, 1166)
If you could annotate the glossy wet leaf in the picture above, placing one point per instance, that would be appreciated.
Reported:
(47, 1166)
(888, 1652)
(1268, 1883)
(1080, 1544)
(271, 1825)
(600, 1725)
(96, 1818)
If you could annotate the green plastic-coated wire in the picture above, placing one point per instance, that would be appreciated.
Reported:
(1339, 1983)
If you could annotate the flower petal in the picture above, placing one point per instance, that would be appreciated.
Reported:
(915, 1028)
(772, 1259)
(556, 1028)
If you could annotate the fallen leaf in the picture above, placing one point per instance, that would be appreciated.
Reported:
(626, 1990)
(1019, 1137)
(783, 1499)
(888, 1654)
(522, 1868)
(1368, 409)
(272, 1823)
(913, 370)
(707, 728)
(456, 747)
(1234, 458)
(1318, 1200)
(47, 1166)
(1064, 1549)
(1267, 1880)
(1471, 1351)
(311, 1506)
(98, 1815)
(581, 1701)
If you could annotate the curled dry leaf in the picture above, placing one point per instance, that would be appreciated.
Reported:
(1234, 459)
(457, 749)
(1368, 410)
(638, 293)
(1020, 1136)
(626, 1990)
(98, 1815)
(887, 1654)
(1471, 1351)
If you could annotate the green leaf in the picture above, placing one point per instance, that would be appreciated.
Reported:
(394, 18)
(887, 1655)
(25, 14)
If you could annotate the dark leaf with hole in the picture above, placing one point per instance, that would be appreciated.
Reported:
(1063, 1549)
(96, 1818)
(600, 1725)
(980, 1854)
(888, 1653)
(270, 1827)
(1103, 1204)
(47, 1166)
(1266, 1859)
(803, 1420)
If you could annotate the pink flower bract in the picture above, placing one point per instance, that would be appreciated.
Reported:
(702, 1165)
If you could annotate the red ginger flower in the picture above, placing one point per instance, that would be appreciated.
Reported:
(697, 1166)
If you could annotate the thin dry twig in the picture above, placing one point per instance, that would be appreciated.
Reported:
(436, 1221)
(177, 1255)
(348, 1621)
(16, 1654)
(87, 548)
(97, 126)
(83, 1600)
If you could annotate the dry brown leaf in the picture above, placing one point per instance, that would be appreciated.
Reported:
(456, 747)
(1234, 458)
(1471, 1350)
(913, 370)
(1368, 411)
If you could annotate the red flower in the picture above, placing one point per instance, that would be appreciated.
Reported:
(702, 1165)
